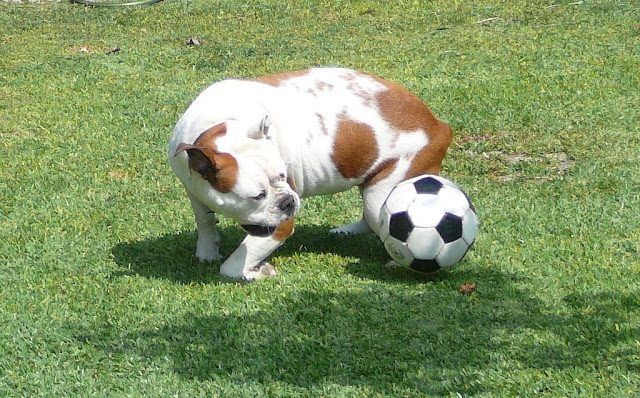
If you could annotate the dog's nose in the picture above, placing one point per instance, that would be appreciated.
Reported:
(288, 204)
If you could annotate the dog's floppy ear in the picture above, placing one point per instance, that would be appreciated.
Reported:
(261, 129)
(198, 160)
(219, 169)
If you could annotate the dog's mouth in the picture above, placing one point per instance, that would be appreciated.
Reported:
(259, 230)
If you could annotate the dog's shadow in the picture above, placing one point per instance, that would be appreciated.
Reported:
(171, 256)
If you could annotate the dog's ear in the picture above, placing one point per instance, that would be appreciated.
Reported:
(261, 129)
(199, 161)
(219, 169)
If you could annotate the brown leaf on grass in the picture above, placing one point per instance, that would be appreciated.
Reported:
(468, 288)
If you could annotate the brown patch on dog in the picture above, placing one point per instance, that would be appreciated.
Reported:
(209, 137)
(323, 126)
(381, 172)
(368, 100)
(227, 172)
(355, 148)
(277, 79)
(218, 168)
(321, 86)
(284, 230)
(349, 75)
(404, 111)
(429, 159)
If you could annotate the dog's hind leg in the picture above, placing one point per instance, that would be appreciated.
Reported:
(373, 197)
(355, 228)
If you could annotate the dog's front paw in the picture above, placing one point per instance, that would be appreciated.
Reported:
(208, 254)
(260, 271)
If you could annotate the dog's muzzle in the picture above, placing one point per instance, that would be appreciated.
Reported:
(287, 206)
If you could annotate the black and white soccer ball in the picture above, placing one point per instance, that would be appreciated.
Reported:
(427, 223)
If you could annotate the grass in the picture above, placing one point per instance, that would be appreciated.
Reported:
(100, 293)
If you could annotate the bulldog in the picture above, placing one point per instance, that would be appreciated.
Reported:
(251, 149)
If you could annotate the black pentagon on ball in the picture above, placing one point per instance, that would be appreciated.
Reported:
(450, 228)
(400, 226)
(424, 265)
(427, 185)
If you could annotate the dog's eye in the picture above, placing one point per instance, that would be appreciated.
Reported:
(282, 177)
(260, 196)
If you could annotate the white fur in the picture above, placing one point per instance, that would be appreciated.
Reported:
(297, 143)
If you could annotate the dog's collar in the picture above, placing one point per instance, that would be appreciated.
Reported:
(259, 230)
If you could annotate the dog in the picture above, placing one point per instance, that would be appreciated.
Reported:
(251, 149)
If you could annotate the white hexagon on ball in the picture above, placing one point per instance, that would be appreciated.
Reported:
(452, 253)
(454, 200)
(425, 243)
(400, 198)
(426, 211)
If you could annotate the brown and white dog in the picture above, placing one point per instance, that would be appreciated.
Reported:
(250, 149)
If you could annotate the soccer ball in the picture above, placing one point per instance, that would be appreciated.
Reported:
(427, 223)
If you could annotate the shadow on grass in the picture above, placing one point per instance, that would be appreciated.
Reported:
(383, 339)
(172, 256)
(392, 341)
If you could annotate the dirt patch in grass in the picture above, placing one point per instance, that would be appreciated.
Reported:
(556, 165)
(508, 162)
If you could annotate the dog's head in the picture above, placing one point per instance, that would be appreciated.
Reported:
(243, 175)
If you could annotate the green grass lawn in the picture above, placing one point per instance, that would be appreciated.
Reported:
(100, 292)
